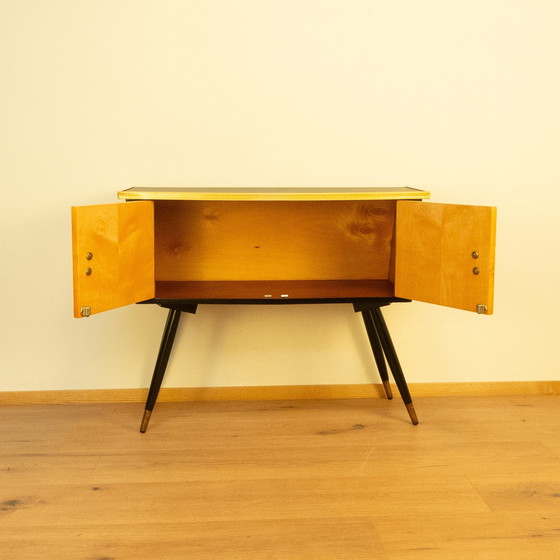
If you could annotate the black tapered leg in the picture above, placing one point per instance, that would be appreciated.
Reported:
(391, 354)
(161, 364)
(377, 352)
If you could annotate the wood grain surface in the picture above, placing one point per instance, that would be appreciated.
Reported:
(323, 479)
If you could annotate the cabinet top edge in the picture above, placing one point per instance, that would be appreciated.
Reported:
(285, 193)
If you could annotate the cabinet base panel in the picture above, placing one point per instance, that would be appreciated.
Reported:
(274, 289)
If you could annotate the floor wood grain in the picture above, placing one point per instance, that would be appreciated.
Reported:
(479, 477)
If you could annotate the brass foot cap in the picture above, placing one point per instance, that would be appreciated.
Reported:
(388, 390)
(412, 413)
(145, 420)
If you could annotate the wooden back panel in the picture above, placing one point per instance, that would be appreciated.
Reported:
(280, 240)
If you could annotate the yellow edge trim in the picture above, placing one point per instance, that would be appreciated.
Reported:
(240, 196)
(287, 392)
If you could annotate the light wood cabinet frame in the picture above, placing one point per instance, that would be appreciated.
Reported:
(292, 244)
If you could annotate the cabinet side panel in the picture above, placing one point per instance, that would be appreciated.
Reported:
(112, 256)
(445, 254)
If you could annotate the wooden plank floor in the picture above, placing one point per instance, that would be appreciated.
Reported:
(479, 477)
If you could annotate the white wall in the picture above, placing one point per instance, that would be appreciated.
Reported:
(459, 98)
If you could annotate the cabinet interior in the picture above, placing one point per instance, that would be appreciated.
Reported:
(274, 249)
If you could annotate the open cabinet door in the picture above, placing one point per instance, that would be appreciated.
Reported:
(113, 255)
(445, 254)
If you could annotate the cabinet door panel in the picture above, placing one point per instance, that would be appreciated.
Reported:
(445, 254)
(113, 255)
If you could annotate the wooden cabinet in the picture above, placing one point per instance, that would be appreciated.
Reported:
(369, 247)
(281, 244)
